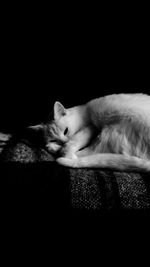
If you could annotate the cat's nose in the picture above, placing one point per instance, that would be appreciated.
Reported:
(64, 139)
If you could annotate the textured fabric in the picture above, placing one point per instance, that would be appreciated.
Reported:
(89, 189)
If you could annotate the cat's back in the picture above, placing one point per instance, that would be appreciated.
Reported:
(137, 105)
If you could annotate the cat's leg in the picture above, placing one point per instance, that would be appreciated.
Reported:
(53, 147)
(92, 149)
(85, 152)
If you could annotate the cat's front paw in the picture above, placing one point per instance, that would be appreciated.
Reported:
(53, 147)
(68, 162)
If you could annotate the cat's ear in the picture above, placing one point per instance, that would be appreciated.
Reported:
(59, 110)
(37, 127)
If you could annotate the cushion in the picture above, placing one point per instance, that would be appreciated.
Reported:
(73, 189)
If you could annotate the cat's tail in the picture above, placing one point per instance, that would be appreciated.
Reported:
(117, 162)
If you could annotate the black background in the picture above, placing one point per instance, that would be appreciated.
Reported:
(47, 54)
(44, 59)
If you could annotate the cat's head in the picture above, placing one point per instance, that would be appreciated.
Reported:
(57, 131)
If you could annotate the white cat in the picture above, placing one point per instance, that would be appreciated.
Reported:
(108, 132)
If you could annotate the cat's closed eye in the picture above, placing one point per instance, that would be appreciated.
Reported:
(66, 131)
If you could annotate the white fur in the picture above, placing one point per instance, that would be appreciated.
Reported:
(108, 132)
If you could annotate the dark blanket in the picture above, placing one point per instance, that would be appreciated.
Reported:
(31, 174)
